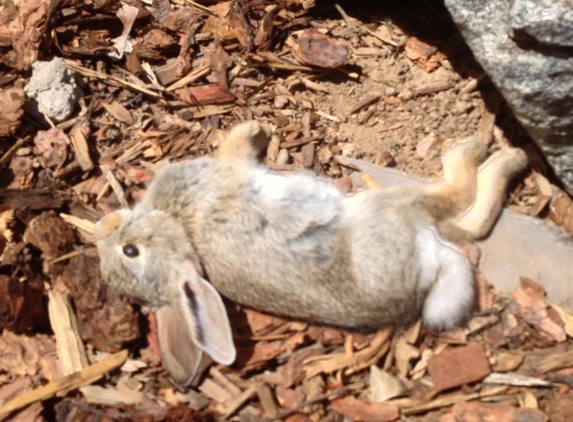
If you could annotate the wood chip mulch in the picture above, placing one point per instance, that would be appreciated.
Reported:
(162, 81)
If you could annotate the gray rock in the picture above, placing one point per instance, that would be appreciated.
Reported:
(53, 89)
(548, 22)
(525, 48)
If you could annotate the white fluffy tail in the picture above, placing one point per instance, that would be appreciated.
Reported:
(450, 275)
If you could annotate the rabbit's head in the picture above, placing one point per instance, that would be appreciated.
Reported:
(147, 256)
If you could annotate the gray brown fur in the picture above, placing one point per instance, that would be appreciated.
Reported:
(294, 245)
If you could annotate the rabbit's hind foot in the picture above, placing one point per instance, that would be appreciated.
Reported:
(247, 140)
(493, 178)
(369, 181)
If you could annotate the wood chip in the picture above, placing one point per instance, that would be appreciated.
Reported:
(358, 410)
(515, 379)
(316, 49)
(232, 406)
(64, 323)
(80, 147)
(458, 366)
(359, 360)
(80, 223)
(109, 396)
(364, 103)
(531, 304)
(11, 103)
(555, 361)
(191, 77)
(478, 412)
(267, 400)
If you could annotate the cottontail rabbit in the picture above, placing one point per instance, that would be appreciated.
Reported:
(291, 245)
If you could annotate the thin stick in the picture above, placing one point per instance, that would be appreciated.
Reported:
(447, 401)
(86, 376)
(10, 153)
(112, 80)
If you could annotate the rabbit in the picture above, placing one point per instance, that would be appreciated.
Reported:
(295, 246)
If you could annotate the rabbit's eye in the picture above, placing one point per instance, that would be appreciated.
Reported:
(130, 250)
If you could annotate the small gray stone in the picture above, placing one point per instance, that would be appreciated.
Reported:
(390, 91)
(53, 89)
(536, 81)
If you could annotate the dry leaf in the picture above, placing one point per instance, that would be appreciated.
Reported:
(530, 303)
(127, 15)
(119, 112)
(561, 209)
(403, 354)
(567, 317)
(424, 146)
(383, 385)
(52, 145)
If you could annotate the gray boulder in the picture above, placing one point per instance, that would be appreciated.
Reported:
(526, 48)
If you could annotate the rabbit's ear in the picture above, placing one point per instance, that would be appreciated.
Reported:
(107, 224)
(205, 308)
(195, 321)
(179, 352)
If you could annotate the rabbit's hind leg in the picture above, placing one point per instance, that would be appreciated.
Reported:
(246, 141)
(460, 161)
(494, 176)
(453, 195)
(369, 182)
